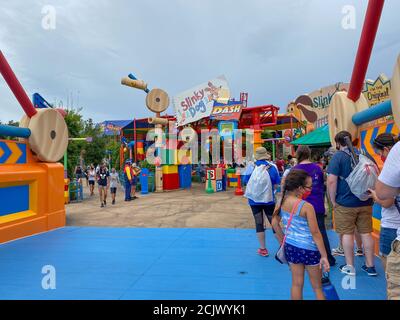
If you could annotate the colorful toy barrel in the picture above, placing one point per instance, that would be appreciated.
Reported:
(232, 178)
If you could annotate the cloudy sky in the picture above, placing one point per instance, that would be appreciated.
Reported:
(274, 50)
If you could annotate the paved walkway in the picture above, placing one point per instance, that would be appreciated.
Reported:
(163, 263)
(191, 208)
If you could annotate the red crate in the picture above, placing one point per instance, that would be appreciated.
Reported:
(171, 181)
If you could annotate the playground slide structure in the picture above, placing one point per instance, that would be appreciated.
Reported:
(31, 179)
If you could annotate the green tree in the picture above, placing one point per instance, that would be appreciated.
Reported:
(75, 126)
(95, 152)
(267, 134)
(10, 123)
(114, 147)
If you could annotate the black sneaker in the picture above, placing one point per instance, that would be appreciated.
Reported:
(102, 205)
(359, 253)
(113, 202)
(371, 271)
(105, 202)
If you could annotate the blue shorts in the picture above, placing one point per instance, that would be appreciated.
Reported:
(386, 237)
(295, 255)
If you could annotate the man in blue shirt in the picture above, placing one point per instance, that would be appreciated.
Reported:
(260, 209)
(350, 211)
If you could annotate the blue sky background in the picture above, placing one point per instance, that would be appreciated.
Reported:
(274, 50)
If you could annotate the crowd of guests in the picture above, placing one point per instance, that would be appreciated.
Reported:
(297, 214)
(107, 180)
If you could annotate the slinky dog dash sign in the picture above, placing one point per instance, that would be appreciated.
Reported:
(227, 112)
(197, 103)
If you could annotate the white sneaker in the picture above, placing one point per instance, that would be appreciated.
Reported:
(348, 269)
(338, 251)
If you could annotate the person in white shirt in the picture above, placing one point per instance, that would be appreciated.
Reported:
(388, 187)
(92, 179)
(114, 180)
(390, 221)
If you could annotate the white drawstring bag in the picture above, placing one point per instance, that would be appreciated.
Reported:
(363, 177)
(259, 187)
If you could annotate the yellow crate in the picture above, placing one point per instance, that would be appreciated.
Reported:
(170, 169)
(184, 157)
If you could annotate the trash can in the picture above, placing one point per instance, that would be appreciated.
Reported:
(144, 181)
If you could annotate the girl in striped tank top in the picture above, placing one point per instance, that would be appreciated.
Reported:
(304, 246)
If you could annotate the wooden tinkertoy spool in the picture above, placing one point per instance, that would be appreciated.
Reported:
(157, 101)
(348, 111)
(48, 132)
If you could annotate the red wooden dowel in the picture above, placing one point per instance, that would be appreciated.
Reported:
(16, 87)
(367, 39)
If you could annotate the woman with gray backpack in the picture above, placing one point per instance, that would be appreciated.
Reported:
(260, 191)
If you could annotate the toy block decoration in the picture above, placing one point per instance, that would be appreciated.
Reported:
(211, 174)
(216, 185)
(218, 173)
(219, 187)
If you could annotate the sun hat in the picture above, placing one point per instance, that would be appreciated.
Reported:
(261, 154)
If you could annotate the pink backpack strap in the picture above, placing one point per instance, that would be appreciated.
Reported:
(294, 209)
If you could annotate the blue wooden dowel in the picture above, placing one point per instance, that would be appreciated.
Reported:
(131, 76)
(12, 131)
(379, 111)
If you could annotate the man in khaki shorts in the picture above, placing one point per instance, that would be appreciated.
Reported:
(350, 212)
(387, 187)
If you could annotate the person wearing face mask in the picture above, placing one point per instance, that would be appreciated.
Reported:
(315, 196)
(351, 213)
(304, 247)
(390, 221)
